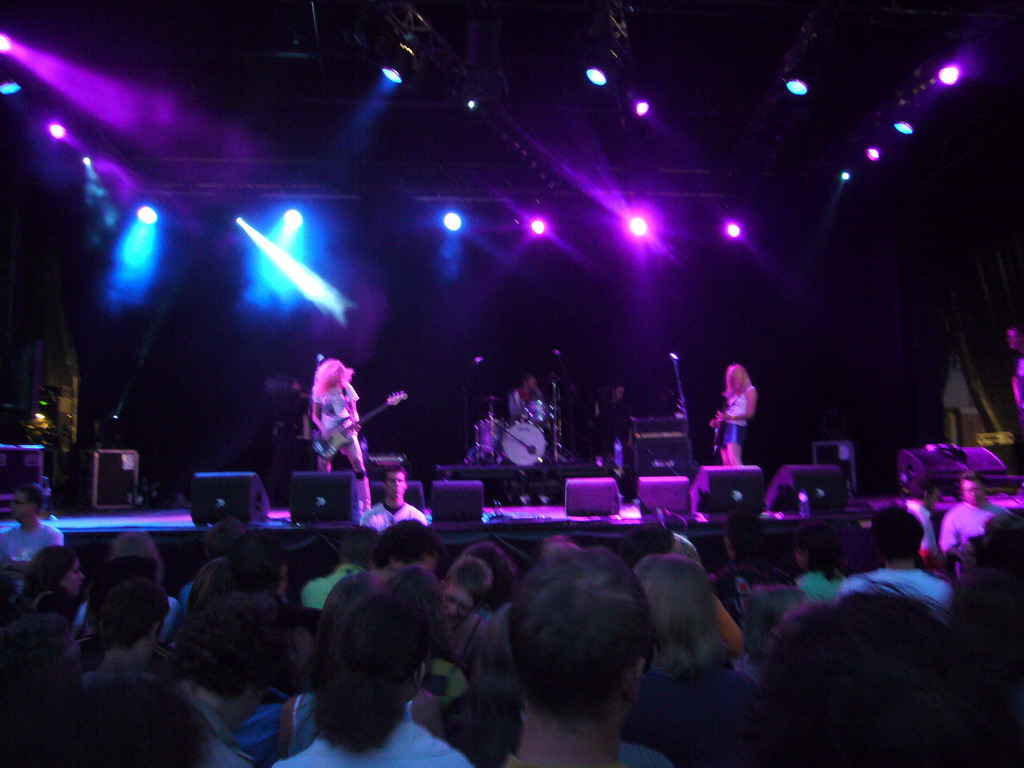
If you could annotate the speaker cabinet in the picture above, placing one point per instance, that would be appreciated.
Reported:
(722, 490)
(457, 501)
(320, 497)
(838, 452)
(216, 495)
(668, 493)
(825, 487)
(413, 494)
(591, 497)
(943, 464)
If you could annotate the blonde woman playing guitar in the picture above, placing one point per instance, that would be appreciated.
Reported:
(730, 423)
(333, 405)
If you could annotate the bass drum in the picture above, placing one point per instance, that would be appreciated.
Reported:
(523, 443)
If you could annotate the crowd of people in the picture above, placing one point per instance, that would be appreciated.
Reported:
(626, 654)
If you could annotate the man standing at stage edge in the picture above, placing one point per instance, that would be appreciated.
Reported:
(18, 545)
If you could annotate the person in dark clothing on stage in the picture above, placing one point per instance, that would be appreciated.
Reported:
(611, 417)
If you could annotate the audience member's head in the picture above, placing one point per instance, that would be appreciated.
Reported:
(111, 573)
(212, 580)
(134, 610)
(494, 705)
(383, 646)
(233, 648)
(408, 543)
(767, 607)
(972, 489)
(138, 544)
(988, 613)
(467, 583)
(877, 680)
(1003, 550)
(503, 569)
(648, 539)
(37, 647)
(12, 605)
(326, 650)
(743, 535)
(555, 545)
(686, 633)
(422, 589)
(28, 502)
(357, 545)
(136, 721)
(258, 564)
(222, 536)
(54, 569)
(579, 630)
(896, 533)
(817, 549)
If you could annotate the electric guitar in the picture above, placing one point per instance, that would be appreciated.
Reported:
(328, 444)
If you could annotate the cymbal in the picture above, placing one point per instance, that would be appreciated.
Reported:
(489, 399)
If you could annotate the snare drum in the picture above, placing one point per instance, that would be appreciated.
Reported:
(523, 443)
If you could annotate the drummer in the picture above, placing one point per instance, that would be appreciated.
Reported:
(520, 398)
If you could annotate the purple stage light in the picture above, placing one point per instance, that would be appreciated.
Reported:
(596, 76)
(642, 108)
(796, 87)
(5, 44)
(948, 75)
(845, 175)
(87, 161)
(638, 226)
(538, 226)
(904, 127)
(392, 74)
(57, 130)
(732, 229)
(147, 215)
(874, 154)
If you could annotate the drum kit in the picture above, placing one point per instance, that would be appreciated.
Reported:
(528, 440)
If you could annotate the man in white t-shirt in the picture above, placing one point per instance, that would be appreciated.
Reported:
(897, 534)
(393, 509)
(19, 544)
(967, 519)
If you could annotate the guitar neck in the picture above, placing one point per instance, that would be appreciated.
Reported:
(376, 411)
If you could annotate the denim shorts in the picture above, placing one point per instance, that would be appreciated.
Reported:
(734, 433)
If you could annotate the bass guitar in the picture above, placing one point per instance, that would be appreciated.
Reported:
(329, 443)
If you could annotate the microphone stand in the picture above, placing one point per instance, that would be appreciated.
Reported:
(682, 414)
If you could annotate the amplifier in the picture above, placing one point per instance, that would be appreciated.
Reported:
(660, 428)
(111, 478)
(19, 464)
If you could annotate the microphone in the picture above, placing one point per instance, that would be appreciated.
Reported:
(477, 360)
(556, 353)
(319, 359)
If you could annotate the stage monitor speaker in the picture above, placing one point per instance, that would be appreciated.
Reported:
(591, 497)
(457, 501)
(216, 495)
(722, 490)
(824, 485)
(669, 493)
(943, 464)
(413, 494)
(320, 497)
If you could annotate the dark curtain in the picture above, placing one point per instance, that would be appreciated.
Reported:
(982, 299)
